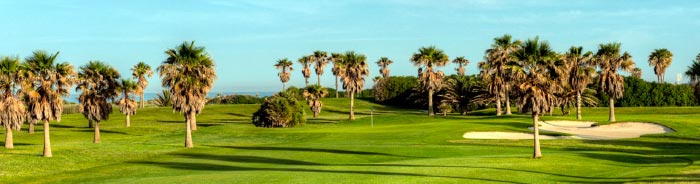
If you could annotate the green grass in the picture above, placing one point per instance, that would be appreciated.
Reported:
(404, 146)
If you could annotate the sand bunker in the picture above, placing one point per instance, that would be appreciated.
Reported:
(580, 130)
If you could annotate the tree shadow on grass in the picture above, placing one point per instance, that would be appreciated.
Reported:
(335, 151)
(60, 126)
(17, 143)
(218, 167)
(101, 131)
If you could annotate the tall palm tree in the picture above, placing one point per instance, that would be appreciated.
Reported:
(660, 59)
(49, 81)
(98, 83)
(355, 70)
(141, 72)
(285, 67)
(305, 62)
(188, 73)
(536, 62)
(693, 73)
(320, 60)
(313, 95)
(338, 69)
(579, 68)
(501, 80)
(427, 59)
(383, 64)
(128, 105)
(462, 62)
(610, 60)
(12, 109)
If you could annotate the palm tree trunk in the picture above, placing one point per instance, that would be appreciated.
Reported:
(336, 86)
(319, 79)
(430, 103)
(47, 140)
(578, 105)
(128, 121)
(498, 105)
(97, 139)
(307, 81)
(508, 104)
(612, 110)
(284, 86)
(352, 105)
(90, 124)
(188, 135)
(31, 126)
(142, 102)
(535, 126)
(193, 121)
(8, 138)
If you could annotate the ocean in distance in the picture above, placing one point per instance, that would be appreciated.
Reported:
(148, 96)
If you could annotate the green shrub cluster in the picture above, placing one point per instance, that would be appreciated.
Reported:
(280, 110)
(395, 90)
(235, 99)
(640, 93)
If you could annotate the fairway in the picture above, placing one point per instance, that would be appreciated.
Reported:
(404, 146)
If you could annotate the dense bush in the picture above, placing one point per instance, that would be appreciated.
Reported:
(280, 110)
(395, 90)
(235, 99)
(642, 93)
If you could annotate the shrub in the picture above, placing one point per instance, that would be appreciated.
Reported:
(395, 90)
(280, 110)
(640, 93)
(235, 99)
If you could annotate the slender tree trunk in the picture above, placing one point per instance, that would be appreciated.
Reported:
(551, 110)
(612, 110)
(97, 139)
(128, 121)
(352, 105)
(307, 81)
(90, 124)
(578, 105)
(188, 135)
(31, 126)
(430, 103)
(142, 101)
(284, 86)
(47, 140)
(498, 105)
(336, 86)
(193, 120)
(535, 124)
(508, 104)
(319, 79)
(8, 138)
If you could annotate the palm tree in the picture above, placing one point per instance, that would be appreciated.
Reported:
(306, 67)
(427, 59)
(98, 83)
(355, 69)
(11, 106)
(536, 62)
(660, 59)
(338, 69)
(462, 62)
(48, 82)
(500, 80)
(637, 73)
(127, 105)
(164, 99)
(465, 93)
(320, 60)
(140, 72)
(313, 95)
(579, 68)
(610, 61)
(693, 73)
(383, 64)
(188, 73)
(285, 65)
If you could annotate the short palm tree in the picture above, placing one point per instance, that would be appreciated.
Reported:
(128, 105)
(305, 62)
(383, 64)
(427, 59)
(320, 60)
(499, 78)
(536, 61)
(465, 93)
(188, 73)
(285, 67)
(579, 68)
(338, 69)
(98, 83)
(142, 72)
(12, 109)
(610, 60)
(313, 95)
(637, 73)
(660, 59)
(49, 81)
(355, 69)
(461, 62)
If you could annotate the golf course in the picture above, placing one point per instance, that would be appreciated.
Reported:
(404, 146)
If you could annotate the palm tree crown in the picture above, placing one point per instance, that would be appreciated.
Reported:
(660, 59)
(383, 64)
(313, 95)
(462, 62)
(285, 67)
(427, 59)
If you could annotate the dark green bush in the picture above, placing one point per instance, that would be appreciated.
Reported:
(395, 90)
(280, 110)
(235, 99)
(640, 93)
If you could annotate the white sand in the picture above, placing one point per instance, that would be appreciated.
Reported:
(580, 130)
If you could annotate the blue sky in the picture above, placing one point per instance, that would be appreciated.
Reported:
(246, 37)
